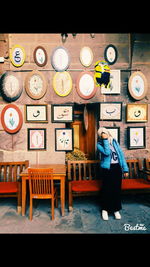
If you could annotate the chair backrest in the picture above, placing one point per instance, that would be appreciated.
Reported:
(135, 165)
(147, 162)
(10, 171)
(40, 181)
(83, 169)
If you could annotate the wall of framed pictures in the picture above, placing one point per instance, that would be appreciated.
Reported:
(43, 88)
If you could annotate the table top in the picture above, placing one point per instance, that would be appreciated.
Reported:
(58, 169)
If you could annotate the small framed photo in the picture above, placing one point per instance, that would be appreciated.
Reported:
(36, 113)
(115, 132)
(62, 113)
(136, 137)
(63, 139)
(111, 111)
(114, 87)
(36, 139)
(137, 112)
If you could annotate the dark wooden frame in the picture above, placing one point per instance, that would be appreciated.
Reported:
(129, 137)
(53, 106)
(72, 138)
(29, 141)
(36, 121)
(105, 54)
(35, 58)
(110, 103)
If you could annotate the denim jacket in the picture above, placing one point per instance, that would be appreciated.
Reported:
(104, 148)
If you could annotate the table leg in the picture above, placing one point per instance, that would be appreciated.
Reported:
(62, 190)
(23, 196)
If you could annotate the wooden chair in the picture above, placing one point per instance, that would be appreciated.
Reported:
(10, 183)
(41, 186)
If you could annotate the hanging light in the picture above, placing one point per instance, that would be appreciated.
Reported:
(64, 37)
(92, 35)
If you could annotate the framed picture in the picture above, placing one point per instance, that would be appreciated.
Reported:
(110, 54)
(40, 56)
(11, 118)
(136, 137)
(62, 113)
(137, 112)
(85, 85)
(86, 56)
(115, 132)
(36, 113)
(111, 111)
(17, 55)
(138, 85)
(60, 58)
(36, 139)
(114, 87)
(62, 83)
(63, 139)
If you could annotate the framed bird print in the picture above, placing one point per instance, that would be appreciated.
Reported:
(137, 112)
(114, 87)
(40, 56)
(17, 55)
(63, 139)
(137, 85)
(36, 139)
(136, 137)
(35, 84)
(85, 85)
(11, 118)
(86, 56)
(62, 83)
(110, 54)
(10, 86)
(62, 113)
(36, 113)
(111, 111)
(60, 58)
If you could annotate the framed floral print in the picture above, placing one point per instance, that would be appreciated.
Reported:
(11, 118)
(63, 139)
(115, 132)
(36, 139)
(111, 111)
(137, 112)
(62, 113)
(114, 87)
(138, 85)
(40, 56)
(136, 137)
(36, 113)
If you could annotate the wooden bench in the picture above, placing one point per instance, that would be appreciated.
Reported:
(84, 178)
(10, 183)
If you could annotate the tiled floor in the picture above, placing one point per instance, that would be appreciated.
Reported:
(85, 217)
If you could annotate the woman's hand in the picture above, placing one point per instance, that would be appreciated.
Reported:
(126, 174)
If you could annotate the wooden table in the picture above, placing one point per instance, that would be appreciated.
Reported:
(59, 172)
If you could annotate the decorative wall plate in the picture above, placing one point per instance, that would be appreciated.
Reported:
(35, 84)
(137, 85)
(111, 54)
(86, 56)
(40, 56)
(11, 118)
(62, 83)
(17, 55)
(85, 85)
(60, 58)
(10, 86)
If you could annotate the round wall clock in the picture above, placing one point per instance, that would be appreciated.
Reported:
(110, 54)
(35, 84)
(62, 83)
(86, 56)
(60, 59)
(138, 85)
(17, 55)
(10, 86)
(40, 56)
(11, 118)
(85, 85)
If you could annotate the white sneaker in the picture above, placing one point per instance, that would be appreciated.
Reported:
(105, 215)
(117, 215)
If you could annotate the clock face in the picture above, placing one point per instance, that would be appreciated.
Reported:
(85, 85)
(138, 85)
(86, 56)
(35, 85)
(11, 87)
(11, 118)
(62, 83)
(40, 56)
(110, 54)
(17, 55)
(60, 59)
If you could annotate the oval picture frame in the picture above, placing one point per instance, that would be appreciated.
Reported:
(59, 81)
(60, 59)
(86, 56)
(137, 85)
(110, 54)
(83, 81)
(40, 56)
(17, 55)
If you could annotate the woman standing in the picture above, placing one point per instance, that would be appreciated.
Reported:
(113, 165)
